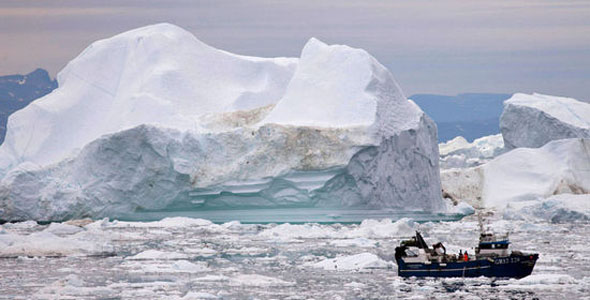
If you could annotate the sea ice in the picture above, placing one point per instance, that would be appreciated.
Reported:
(169, 267)
(156, 254)
(172, 222)
(61, 229)
(319, 266)
(198, 296)
(462, 208)
(541, 281)
(369, 228)
(46, 243)
(356, 242)
(73, 286)
(352, 262)
(257, 280)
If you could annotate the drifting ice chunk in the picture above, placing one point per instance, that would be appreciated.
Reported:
(45, 243)
(257, 280)
(352, 262)
(61, 229)
(155, 254)
(534, 120)
(538, 281)
(198, 296)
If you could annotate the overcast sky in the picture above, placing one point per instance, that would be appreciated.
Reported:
(445, 47)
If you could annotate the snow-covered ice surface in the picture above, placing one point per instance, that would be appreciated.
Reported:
(154, 119)
(534, 120)
(182, 258)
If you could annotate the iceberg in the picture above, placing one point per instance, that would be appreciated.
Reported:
(459, 153)
(534, 120)
(154, 119)
(524, 174)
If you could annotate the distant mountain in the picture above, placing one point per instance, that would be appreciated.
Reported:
(470, 115)
(17, 91)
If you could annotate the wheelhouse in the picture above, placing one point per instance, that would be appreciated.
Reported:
(489, 245)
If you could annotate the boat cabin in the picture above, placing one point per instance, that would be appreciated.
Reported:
(490, 245)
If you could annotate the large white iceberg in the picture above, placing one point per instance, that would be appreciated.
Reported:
(155, 119)
(524, 174)
(534, 120)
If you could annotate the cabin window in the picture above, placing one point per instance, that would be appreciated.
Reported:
(493, 246)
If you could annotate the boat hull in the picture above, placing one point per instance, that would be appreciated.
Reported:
(514, 266)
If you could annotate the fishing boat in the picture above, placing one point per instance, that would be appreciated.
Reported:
(493, 258)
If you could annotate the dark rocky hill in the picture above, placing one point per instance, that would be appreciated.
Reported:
(17, 91)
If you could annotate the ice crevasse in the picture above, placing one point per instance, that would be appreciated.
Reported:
(155, 119)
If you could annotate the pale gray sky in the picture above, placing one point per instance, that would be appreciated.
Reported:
(444, 46)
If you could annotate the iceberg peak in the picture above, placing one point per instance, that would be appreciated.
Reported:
(159, 74)
(341, 86)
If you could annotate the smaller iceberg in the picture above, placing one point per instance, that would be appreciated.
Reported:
(534, 120)
(459, 153)
(523, 174)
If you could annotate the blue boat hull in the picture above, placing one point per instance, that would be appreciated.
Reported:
(514, 266)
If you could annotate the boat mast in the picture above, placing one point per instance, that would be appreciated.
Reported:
(480, 221)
